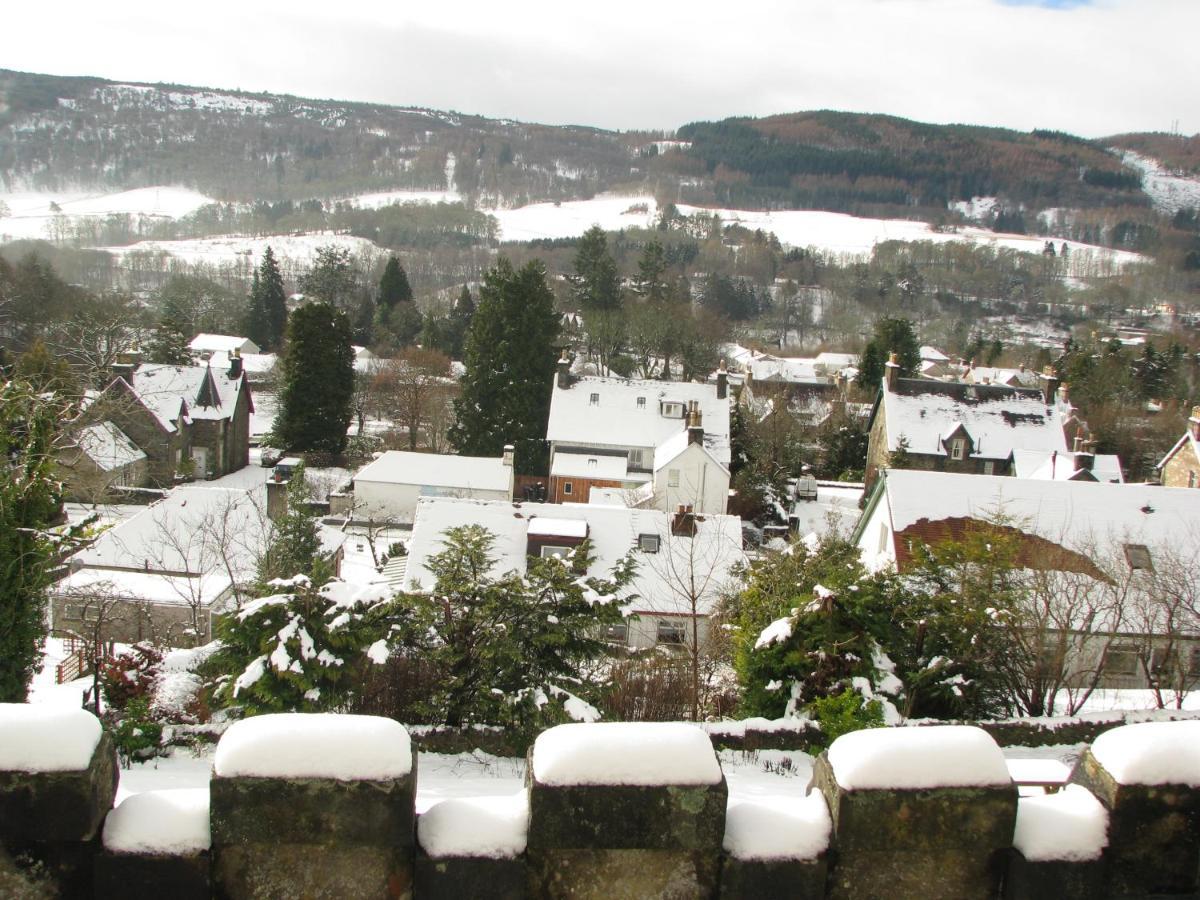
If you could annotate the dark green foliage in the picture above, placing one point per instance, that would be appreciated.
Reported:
(510, 363)
(650, 283)
(393, 285)
(136, 733)
(496, 640)
(892, 335)
(266, 316)
(169, 346)
(596, 284)
(29, 502)
(733, 298)
(42, 370)
(331, 278)
(318, 381)
(842, 440)
(842, 713)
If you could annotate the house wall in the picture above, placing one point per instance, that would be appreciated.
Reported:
(396, 502)
(643, 630)
(85, 482)
(131, 621)
(878, 457)
(580, 488)
(876, 546)
(227, 441)
(877, 452)
(1182, 469)
(163, 449)
(701, 483)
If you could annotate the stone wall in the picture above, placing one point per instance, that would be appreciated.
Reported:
(897, 813)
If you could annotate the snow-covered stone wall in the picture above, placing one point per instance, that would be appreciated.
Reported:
(323, 806)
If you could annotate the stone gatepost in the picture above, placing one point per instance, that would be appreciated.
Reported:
(1058, 847)
(625, 810)
(313, 806)
(1148, 778)
(58, 777)
(917, 812)
(156, 844)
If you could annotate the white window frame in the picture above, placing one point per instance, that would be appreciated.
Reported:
(649, 543)
(958, 449)
(567, 488)
(641, 402)
(553, 551)
(673, 478)
(989, 467)
(672, 632)
(594, 400)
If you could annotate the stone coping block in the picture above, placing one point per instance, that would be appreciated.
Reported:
(1053, 879)
(1153, 832)
(930, 819)
(67, 805)
(130, 876)
(623, 874)
(312, 872)
(626, 817)
(762, 879)
(317, 811)
(460, 877)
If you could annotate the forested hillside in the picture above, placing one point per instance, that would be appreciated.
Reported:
(869, 164)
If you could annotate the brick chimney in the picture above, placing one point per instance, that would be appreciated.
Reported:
(695, 423)
(507, 457)
(1050, 384)
(1085, 456)
(563, 378)
(722, 381)
(235, 364)
(891, 371)
(683, 522)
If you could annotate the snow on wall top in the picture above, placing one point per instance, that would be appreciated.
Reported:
(483, 473)
(314, 745)
(41, 738)
(489, 827)
(768, 828)
(630, 413)
(1070, 826)
(998, 419)
(1077, 514)
(661, 582)
(628, 753)
(160, 823)
(917, 758)
(1151, 753)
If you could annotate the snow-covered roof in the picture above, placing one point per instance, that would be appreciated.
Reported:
(1188, 438)
(108, 446)
(222, 343)
(592, 465)
(660, 583)
(992, 375)
(1078, 515)
(151, 587)
(790, 370)
(485, 473)
(670, 450)
(617, 419)
(548, 526)
(997, 418)
(166, 389)
(253, 363)
(1054, 466)
(933, 354)
(195, 529)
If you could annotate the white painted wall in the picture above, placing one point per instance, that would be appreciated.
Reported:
(386, 501)
(701, 483)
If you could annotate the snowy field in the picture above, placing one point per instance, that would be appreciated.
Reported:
(1168, 192)
(30, 214)
(223, 250)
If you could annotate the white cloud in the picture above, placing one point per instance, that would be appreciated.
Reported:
(1114, 65)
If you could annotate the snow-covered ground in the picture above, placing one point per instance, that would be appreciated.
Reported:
(220, 250)
(387, 198)
(1167, 191)
(31, 216)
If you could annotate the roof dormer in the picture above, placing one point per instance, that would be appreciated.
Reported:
(957, 442)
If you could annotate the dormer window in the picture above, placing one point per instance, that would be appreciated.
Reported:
(958, 448)
(641, 402)
(594, 400)
(672, 409)
(592, 462)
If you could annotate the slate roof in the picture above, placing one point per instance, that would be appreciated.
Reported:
(108, 446)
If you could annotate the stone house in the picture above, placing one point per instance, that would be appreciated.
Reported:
(919, 423)
(1181, 466)
(189, 420)
(98, 460)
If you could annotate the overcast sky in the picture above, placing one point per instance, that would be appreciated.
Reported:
(1092, 67)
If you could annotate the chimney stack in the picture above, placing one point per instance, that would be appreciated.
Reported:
(507, 458)
(1050, 385)
(683, 523)
(695, 423)
(564, 371)
(722, 381)
(1085, 457)
(235, 364)
(891, 371)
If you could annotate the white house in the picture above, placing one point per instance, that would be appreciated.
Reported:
(622, 434)
(388, 488)
(683, 561)
(222, 343)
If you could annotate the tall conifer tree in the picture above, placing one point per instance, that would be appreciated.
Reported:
(596, 284)
(318, 381)
(393, 285)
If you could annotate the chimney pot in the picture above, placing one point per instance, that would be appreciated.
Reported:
(507, 457)
(563, 376)
(722, 381)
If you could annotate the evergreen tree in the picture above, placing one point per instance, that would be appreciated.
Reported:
(891, 336)
(510, 363)
(331, 278)
(169, 346)
(650, 282)
(315, 402)
(29, 502)
(460, 323)
(596, 284)
(295, 546)
(393, 285)
(272, 299)
(42, 370)
(256, 327)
